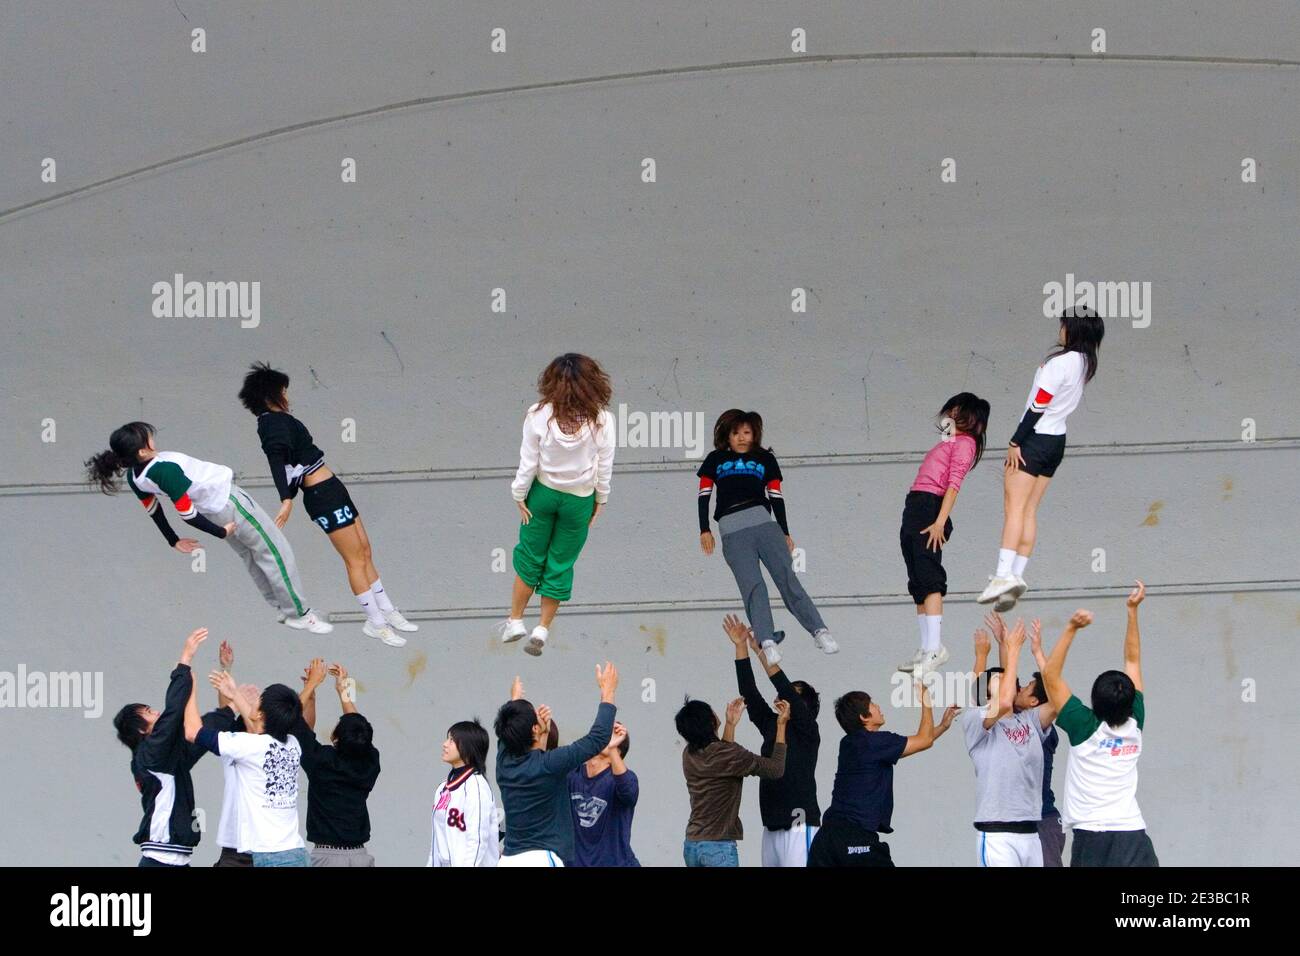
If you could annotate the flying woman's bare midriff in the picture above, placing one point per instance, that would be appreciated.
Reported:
(322, 473)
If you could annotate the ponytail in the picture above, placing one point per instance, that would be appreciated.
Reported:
(123, 451)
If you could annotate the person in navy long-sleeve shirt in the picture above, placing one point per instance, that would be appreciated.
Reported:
(603, 794)
(534, 781)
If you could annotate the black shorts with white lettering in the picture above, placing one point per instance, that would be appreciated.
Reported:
(330, 505)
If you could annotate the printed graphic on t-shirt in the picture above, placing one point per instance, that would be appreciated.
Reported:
(588, 808)
(1017, 734)
(741, 468)
(1116, 747)
(280, 766)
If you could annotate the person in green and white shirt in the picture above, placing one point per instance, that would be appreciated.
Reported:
(1105, 746)
(206, 498)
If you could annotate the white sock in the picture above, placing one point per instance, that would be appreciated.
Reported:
(1018, 565)
(368, 604)
(541, 633)
(381, 596)
(924, 631)
(931, 641)
(1005, 557)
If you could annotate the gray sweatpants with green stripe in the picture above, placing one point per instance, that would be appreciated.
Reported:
(266, 553)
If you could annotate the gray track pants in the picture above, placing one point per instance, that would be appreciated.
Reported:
(266, 553)
(745, 549)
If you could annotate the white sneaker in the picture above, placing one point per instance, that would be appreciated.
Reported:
(996, 588)
(932, 660)
(1008, 601)
(399, 623)
(912, 663)
(511, 630)
(771, 654)
(384, 633)
(308, 622)
(537, 643)
(825, 643)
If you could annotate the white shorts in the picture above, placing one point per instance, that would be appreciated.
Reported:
(1008, 849)
(531, 858)
(788, 847)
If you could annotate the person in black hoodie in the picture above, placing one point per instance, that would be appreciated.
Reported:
(340, 775)
(161, 761)
(788, 804)
(296, 462)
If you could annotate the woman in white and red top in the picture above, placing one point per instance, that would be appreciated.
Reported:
(1037, 448)
(926, 526)
(464, 811)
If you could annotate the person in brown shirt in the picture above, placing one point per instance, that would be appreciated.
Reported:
(715, 772)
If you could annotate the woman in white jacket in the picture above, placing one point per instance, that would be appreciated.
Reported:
(566, 460)
(464, 812)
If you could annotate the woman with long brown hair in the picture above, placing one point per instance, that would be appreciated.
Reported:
(566, 460)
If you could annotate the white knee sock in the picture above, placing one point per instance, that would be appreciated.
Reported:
(932, 639)
(381, 596)
(1018, 565)
(922, 630)
(368, 604)
(1005, 557)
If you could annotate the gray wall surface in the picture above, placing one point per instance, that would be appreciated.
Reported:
(375, 297)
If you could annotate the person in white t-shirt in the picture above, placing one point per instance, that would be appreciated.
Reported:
(1101, 778)
(566, 460)
(265, 759)
(1037, 447)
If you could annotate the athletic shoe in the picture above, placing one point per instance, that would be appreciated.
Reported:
(537, 642)
(399, 623)
(309, 622)
(384, 633)
(778, 636)
(996, 588)
(511, 630)
(825, 643)
(771, 654)
(913, 662)
(1008, 601)
(933, 660)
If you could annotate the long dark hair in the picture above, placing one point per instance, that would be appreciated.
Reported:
(124, 447)
(471, 741)
(1084, 330)
(577, 389)
(969, 415)
(263, 389)
(732, 419)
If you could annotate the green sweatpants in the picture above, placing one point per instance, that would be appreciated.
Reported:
(550, 543)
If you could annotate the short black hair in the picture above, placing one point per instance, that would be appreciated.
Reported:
(808, 694)
(471, 742)
(354, 738)
(1113, 694)
(1040, 688)
(281, 710)
(263, 388)
(514, 727)
(851, 708)
(697, 724)
(130, 725)
(625, 746)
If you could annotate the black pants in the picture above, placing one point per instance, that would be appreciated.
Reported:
(231, 858)
(843, 843)
(146, 862)
(925, 573)
(1113, 848)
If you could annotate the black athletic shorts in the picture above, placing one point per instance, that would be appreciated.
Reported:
(330, 505)
(1042, 454)
(1112, 848)
(844, 843)
(925, 573)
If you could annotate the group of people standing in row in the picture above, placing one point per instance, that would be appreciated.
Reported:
(560, 488)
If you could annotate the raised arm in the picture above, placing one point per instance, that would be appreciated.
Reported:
(1047, 709)
(1132, 640)
(346, 688)
(760, 715)
(734, 710)
(1010, 656)
(1057, 689)
(313, 676)
(924, 737)
(564, 759)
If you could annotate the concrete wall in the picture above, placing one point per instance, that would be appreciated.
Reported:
(375, 297)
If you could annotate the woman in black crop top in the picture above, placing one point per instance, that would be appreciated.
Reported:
(297, 462)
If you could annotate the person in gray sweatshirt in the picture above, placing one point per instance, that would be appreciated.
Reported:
(534, 781)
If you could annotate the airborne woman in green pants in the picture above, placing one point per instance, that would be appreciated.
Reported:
(206, 498)
(566, 460)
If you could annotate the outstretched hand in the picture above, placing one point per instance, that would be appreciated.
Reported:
(736, 629)
(1136, 595)
(197, 637)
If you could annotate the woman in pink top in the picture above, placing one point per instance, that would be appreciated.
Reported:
(926, 526)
